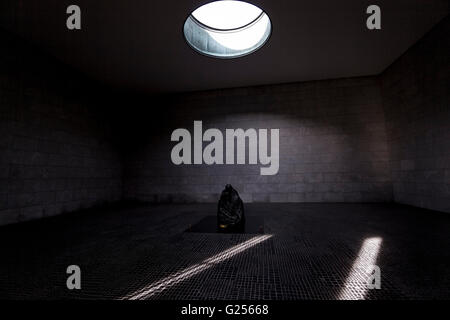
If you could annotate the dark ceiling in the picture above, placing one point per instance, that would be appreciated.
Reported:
(138, 44)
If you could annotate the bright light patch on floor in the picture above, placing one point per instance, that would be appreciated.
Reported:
(165, 283)
(356, 285)
(227, 29)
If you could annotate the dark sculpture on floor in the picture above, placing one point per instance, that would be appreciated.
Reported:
(230, 212)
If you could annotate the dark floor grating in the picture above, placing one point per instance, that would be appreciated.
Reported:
(252, 225)
(308, 254)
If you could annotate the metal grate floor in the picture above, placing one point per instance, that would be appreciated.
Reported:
(308, 252)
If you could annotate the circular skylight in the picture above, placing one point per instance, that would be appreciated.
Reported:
(225, 15)
(227, 28)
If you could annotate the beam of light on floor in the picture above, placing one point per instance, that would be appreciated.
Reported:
(187, 273)
(356, 286)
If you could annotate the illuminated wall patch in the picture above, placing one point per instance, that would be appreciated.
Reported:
(213, 153)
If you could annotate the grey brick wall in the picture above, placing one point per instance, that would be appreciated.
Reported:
(345, 140)
(416, 91)
(55, 151)
(333, 145)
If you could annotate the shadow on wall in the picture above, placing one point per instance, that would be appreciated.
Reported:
(57, 152)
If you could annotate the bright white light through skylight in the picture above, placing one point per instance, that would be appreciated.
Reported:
(227, 29)
(247, 38)
(227, 14)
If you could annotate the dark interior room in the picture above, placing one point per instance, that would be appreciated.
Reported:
(225, 150)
